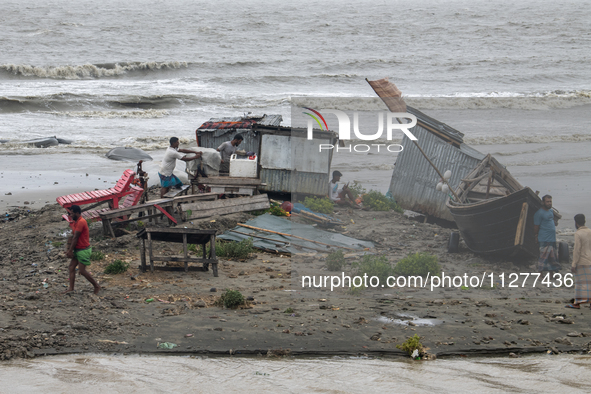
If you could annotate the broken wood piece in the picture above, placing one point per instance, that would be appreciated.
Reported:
(203, 209)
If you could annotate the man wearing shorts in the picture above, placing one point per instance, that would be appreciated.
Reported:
(79, 249)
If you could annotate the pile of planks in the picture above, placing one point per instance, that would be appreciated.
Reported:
(204, 209)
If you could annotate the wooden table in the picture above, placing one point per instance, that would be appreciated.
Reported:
(179, 235)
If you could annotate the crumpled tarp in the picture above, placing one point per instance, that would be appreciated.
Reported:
(285, 244)
(210, 159)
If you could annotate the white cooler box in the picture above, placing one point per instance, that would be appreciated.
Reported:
(243, 166)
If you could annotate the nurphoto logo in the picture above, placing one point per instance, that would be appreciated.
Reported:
(393, 122)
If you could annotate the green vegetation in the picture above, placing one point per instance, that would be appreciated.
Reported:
(320, 205)
(239, 250)
(376, 201)
(277, 210)
(259, 212)
(231, 299)
(289, 310)
(116, 267)
(373, 265)
(355, 291)
(418, 264)
(97, 255)
(335, 261)
(140, 223)
(411, 344)
(357, 189)
(57, 244)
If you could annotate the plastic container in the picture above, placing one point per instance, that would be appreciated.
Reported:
(243, 166)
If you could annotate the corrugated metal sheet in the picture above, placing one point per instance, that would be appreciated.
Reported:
(414, 180)
(288, 181)
(287, 152)
(213, 138)
(209, 139)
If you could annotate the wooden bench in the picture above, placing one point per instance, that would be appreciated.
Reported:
(185, 236)
(122, 195)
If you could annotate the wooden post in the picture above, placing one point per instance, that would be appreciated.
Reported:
(490, 177)
(151, 255)
(143, 254)
(186, 252)
(110, 228)
(520, 233)
(214, 264)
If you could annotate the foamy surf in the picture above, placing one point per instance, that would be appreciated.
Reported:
(86, 71)
(140, 114)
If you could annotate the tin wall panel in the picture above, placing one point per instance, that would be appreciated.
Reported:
(414, 181)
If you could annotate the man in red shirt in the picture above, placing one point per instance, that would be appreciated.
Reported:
(79, 249)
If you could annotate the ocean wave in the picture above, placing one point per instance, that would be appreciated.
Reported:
(492, 100)
(87, 146)
(522, 152)
(526, 139)
(531, 163)
(145, 114)
(526, 102)
(61, 102)
(87, 71)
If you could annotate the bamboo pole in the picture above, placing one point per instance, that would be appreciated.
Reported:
(436, 169)
(290, 235)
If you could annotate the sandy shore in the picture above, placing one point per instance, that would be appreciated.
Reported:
(35, 320)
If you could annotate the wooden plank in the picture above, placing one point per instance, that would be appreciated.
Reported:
(230, 181)
(193, 198)
(182, 259)
(175, 192)
(229, 202)
(520, 232)
(228, 210)
(114, 213)
(472, 186)
(180, 268)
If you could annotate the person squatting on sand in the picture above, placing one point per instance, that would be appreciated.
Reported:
(342, 196)
(581, 266)
(79, 249)
(545, 233)
(173, 153)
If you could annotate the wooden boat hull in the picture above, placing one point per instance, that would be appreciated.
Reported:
(502, 226)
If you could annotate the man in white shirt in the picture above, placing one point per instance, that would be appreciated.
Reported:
(173, 153)
(227, 149)
(341, 196)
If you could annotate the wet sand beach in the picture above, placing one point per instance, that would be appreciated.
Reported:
(38, 321)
